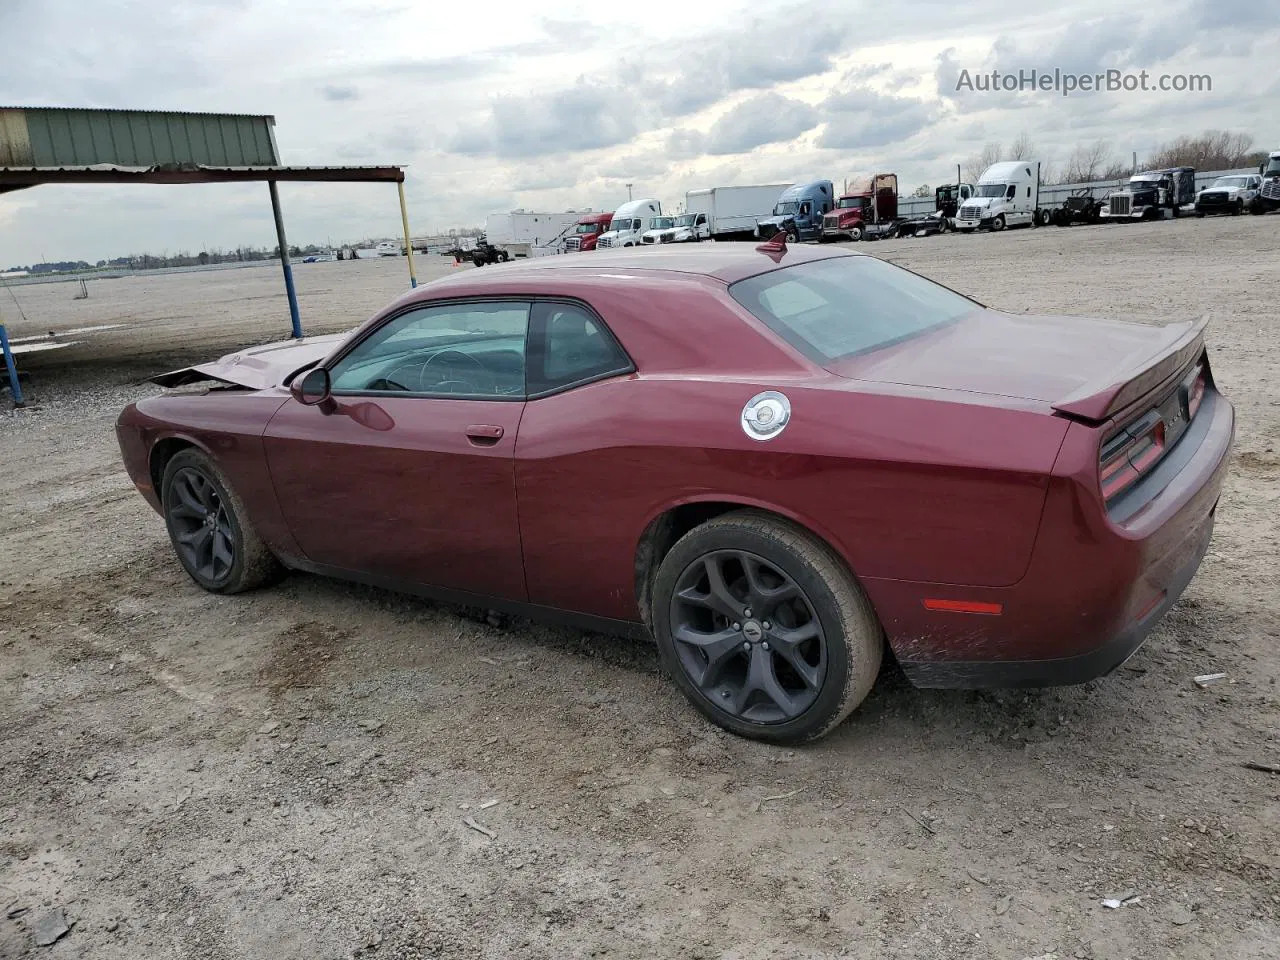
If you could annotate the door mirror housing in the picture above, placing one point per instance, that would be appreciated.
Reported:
(312, 388)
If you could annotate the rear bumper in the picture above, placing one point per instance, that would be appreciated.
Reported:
(1097, 584)
(1081, 668)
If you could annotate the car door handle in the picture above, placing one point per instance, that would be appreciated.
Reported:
(484, 434)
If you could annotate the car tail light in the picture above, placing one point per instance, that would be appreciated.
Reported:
(1130, 454)
(1195, 392)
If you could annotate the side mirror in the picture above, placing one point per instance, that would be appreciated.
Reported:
(312, 388)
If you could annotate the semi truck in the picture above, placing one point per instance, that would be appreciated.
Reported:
(798, 212)
(1150, 194)
(1269, 195)
(946, 206)
(629, 223)
(586, 232)
(868, 210)
(1007, 195)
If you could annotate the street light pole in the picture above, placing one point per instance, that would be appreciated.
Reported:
(628, 193)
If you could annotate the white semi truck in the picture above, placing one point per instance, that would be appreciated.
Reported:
(629, 223)
(1007, 195)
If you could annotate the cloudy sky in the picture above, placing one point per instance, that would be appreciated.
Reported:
(560, 104)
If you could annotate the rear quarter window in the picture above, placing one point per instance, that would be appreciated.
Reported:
(833, 309)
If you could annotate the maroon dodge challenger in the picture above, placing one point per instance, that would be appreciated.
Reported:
(774, 461)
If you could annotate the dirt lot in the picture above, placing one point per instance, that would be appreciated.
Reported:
(295, 773)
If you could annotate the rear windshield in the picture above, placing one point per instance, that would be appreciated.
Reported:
(845, 306)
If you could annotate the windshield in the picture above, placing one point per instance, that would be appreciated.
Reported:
(785, 207)
(1273, 167)
(1231, 182)
(685, 220)
(661, 223)
(991, 190)
(589, 228)
(844, 306)
(852, 203)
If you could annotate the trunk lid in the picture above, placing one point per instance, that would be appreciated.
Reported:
(1081, 367)
(257, 368)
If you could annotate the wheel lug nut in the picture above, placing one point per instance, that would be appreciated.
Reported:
(746, 645)
(737, 626)
(767, 625)
(725, 694)
(747, 613)
(765, 645)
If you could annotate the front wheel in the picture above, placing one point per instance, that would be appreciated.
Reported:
(764, 629)
(210, 527)
(1238, 209)
(855, 233)
(792, 237)
(998, 223)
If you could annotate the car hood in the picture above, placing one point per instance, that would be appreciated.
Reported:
(1063, 361)
(982, 203)
(257, 368)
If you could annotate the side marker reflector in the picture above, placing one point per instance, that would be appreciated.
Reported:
(964, 606)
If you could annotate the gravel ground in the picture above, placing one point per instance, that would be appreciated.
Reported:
(322, 770)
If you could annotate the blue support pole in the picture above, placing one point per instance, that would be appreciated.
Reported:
(284, 261)
(11, 366)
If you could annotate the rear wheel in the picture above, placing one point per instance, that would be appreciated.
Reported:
(210, 528)
(763, 628)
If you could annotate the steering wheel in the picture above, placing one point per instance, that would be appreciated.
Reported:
(453, 379)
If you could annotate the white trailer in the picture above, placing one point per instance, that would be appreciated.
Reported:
(720, 212)
(525, 234)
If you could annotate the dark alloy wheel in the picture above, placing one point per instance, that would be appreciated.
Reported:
(210, 529)
(201, 526)
(748, 637)
(764, 629)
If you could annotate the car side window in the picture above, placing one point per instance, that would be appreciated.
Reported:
(805, 208)
(570, 345)
(470, 349)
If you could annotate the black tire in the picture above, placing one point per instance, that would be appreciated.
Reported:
(792, 237)
(478, 259)
(1200, 214)
(855, 234)
(1238, 208)
(1256, 208)
(194, 487)
(998, 223)
(848, 648)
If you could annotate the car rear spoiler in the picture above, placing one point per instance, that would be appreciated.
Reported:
(1133, 377)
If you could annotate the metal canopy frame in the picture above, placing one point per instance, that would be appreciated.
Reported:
(177, 172)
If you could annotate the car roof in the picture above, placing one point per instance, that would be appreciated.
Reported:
(725, 262)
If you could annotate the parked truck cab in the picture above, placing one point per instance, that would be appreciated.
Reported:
(1007, 195)
(629, 223)
(798, 212)
(587, 232)
(868, 211)
(1269, 194)
(1151, 194)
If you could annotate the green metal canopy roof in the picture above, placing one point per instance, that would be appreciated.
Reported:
(55, 137)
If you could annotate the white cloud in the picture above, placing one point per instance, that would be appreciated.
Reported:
(561, 105)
